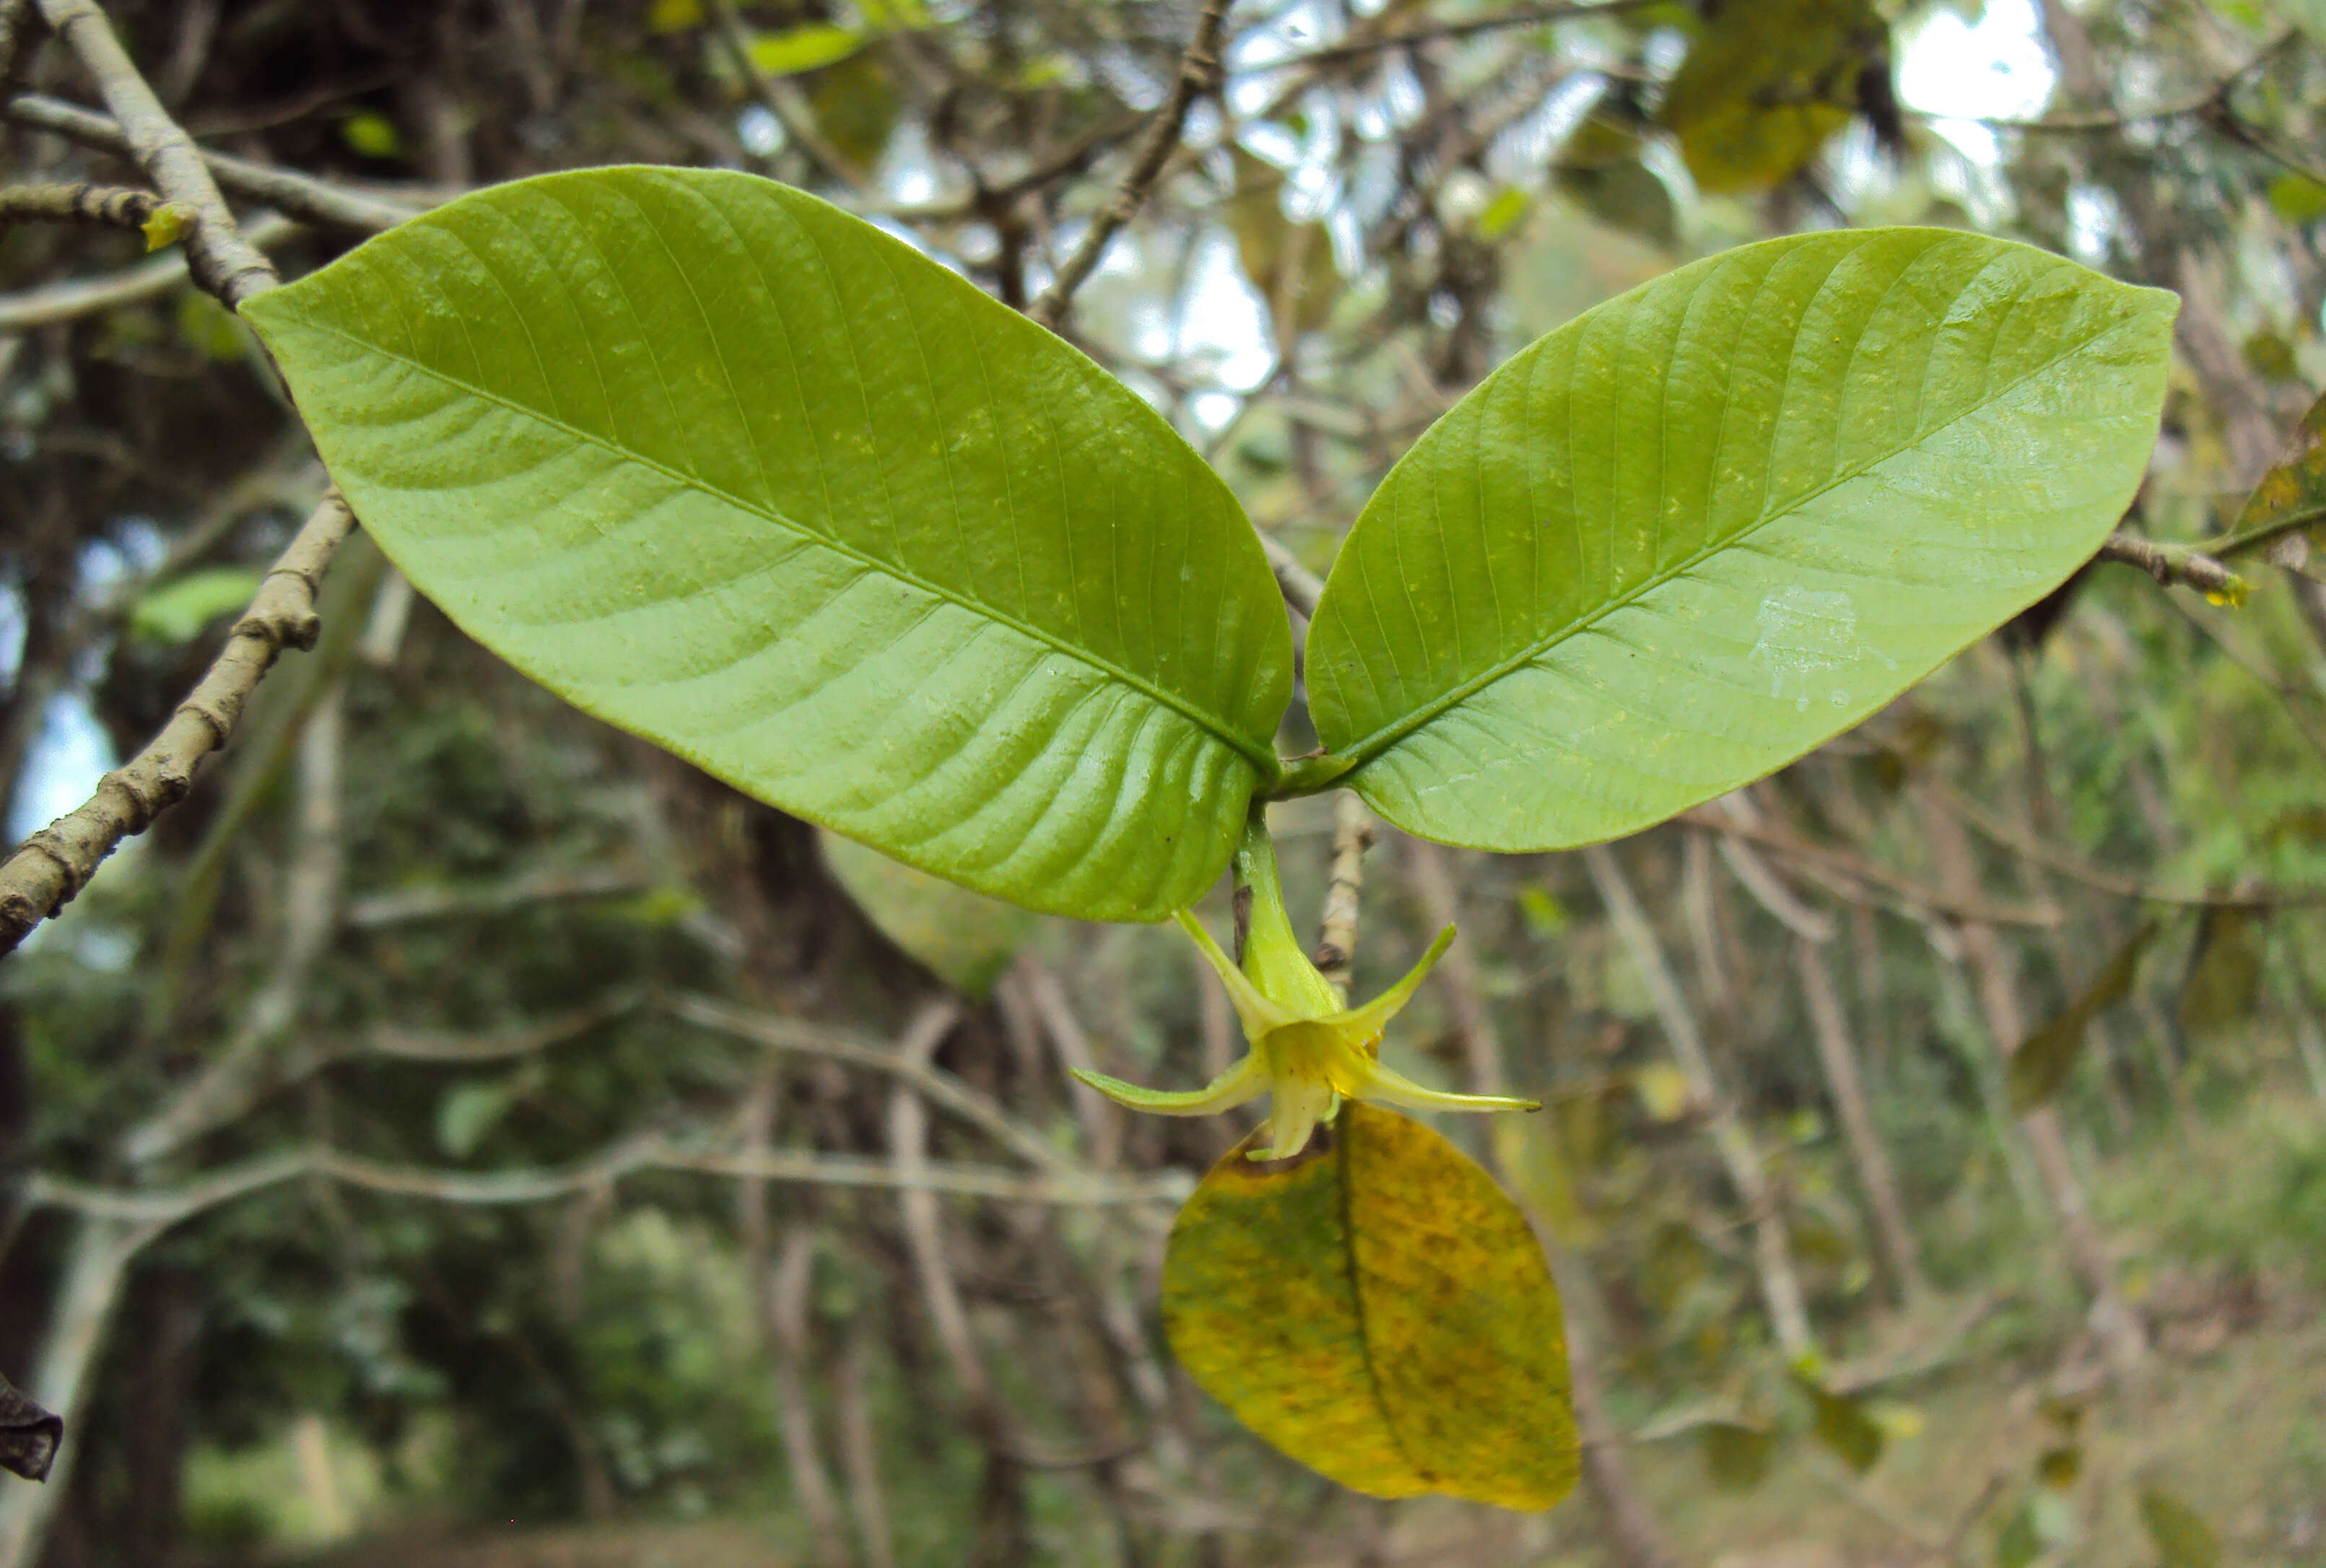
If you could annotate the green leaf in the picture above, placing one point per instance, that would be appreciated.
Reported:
(1844, 1425)
(2041, 1065)
(1599, 170)
(964, 938)
(737, 473)
(2018, 1544)
(177, 611)
(2224, 978)
(2297, 199)
(1708, 526)
(1736, 1456)
(804, 48)
(2181, 1537)
(371, 133)
(469, 1112)
(1378, 1310)
(1764, 86)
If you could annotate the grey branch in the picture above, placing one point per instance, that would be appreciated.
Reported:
(775, 1033)
(1405, 37)
(222, 260)
(105, 206)
(166, 1206)
(74, 298)
(1199, 73)
(55, 863)
(2170, 564)
(1302, 588)
(1337, 942)
(303, 197)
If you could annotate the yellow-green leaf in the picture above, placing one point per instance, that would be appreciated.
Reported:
(1844, 1425)
(1736, 1456)
(1380, 1311)
(1764, 86)
(2291, 495)
(964, 939)
(371, 133)
(802, 49)
(2181, 1537)
(177, 611)
(2224, 973)
(2041, 1066)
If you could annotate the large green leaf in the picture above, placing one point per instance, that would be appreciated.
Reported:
(738, 472)
(1710, 523)
(1377, 1309)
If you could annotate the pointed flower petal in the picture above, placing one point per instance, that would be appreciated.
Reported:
(1295, 1108)
(1258, 1013)
(1396, 1089)
(1366, 1023)
(1245, 1080)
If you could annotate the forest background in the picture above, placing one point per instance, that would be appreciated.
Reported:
(462, 1134)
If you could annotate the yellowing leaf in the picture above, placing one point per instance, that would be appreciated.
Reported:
(2182, 1538)
(673, 15)
(800, 49)
(2293, 495)
(1378, 1310)
(1663, 1091)
(964, 939)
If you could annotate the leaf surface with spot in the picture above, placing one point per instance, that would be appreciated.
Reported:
(1380, 1311)
(1712, 523)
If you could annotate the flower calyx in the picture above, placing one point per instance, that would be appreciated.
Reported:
(1309, 1049)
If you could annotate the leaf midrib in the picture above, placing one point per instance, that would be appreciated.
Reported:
(1371, 746)
(1344, 1151)
(1262, 758)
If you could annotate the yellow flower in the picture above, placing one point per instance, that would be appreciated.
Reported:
(1308, 1049)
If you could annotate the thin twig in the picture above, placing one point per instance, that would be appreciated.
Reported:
(1353, 835)
(1993, 827)
(166, 1206)
(1858, 869)
(222, 260)
(774, 1031)
(302, 196)
(56, 863)
(781, 98)
(1302, 588)
(2261, 533)
(74, 298)
(2171, 563)
(1199, 73)
(1529, 16)
(106, 206)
